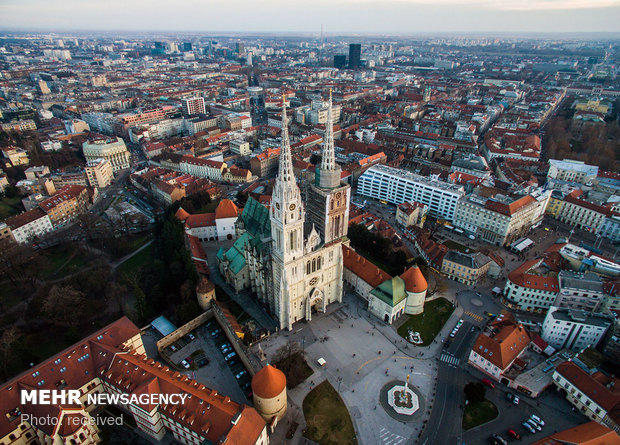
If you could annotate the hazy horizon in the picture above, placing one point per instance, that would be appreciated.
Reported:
(393, 17)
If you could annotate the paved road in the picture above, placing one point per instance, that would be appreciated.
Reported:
(444, 426)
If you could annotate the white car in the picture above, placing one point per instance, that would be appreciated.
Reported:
(534, 424)
(185, 364)
(537, 419)
(229, 356)
(528, 427)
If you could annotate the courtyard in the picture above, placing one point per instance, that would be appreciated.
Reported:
(361, 355)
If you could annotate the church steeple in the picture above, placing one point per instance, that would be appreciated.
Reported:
(328, 174)
(287, 212)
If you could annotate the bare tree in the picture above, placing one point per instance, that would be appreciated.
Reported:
(436, 284)
(64, 305)
(7, 340)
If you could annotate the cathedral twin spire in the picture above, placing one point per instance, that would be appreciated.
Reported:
(328, 161)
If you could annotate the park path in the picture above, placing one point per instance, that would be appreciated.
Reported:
(115, 264)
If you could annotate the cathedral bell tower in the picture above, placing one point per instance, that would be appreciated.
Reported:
(328, 200)
(287, 212)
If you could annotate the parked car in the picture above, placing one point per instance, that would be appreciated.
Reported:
(238, 376)
(500, 439)
(534, 425)
(229, 356)
(512, 433)
(173, 348)
(528, 427)
(537, 419)
(191, 336)
(203, 362)
(489, 383)
(513, 398)
(185, 364)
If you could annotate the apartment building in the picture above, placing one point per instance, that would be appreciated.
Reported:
(66, 204)
(22, 125)
(29, 225)
(593, 393)
(495, 350)
(99, 173)
(579, 291)
(200, 123)
(5, 232)
(411, 214)
(15, 156)
(203, 168)
(112, 149)
(533, 286)
(265, 163)
(571, 171)
(574, 329)
(397, 186)
(113, 361)
(465, 268)
(240, 147)
(193, 105)
(581, 213)
(500, 220)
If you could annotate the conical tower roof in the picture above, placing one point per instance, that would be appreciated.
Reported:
(414, 280)
(269, 382)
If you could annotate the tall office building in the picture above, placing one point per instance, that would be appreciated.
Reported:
(193, 105)
(187, 46)
(240, 48)
(340, 61)
(355, 54)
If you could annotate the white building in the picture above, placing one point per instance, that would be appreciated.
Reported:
(500, 220)
(203, 168)
(111, 149)
(532, 286)
(571, 171)
(216, 226)
(397, 186)
(51, 145)
(240, 147)
(193, 105)
(579, 291)
(574, 329)
(29, 225)
(99, 173)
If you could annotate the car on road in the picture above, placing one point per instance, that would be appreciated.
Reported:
(512, 433)
(489, 383)
(528, 427)
(537, 419)
(185, 364)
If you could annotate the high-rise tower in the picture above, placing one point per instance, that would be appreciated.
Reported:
(328, 198)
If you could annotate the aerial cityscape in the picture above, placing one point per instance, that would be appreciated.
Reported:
(255, 226)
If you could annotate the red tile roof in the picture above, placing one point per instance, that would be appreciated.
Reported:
(521, 277)
(502, 347)
(360, 266)
(226, 209)
(590, 433)
(594, 386)
(22, 219)
(414, 280)
(512, 208)
(269, 382)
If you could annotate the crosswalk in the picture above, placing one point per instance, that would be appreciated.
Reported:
(474, 316)
(450, 359)
(389, 438)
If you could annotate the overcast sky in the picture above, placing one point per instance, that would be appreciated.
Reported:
(337, 16)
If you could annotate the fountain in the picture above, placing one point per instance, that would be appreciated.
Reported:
(402, 399)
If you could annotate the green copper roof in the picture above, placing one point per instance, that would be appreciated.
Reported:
(391, 291)
(255, 216)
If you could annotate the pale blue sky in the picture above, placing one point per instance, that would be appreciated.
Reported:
(337, 16)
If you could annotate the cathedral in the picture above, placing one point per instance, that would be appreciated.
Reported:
(290, 255)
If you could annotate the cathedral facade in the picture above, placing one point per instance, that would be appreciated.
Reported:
(294, 262)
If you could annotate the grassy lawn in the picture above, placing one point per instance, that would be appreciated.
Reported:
(453, 245)
(133, 264)
(296, 370)
(10, 207)
(430, 322)
(327, 417)
(62, 260)
(477, 413)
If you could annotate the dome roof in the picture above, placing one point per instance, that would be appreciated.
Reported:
(414, 280)
(226, 209)
(269, 382)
